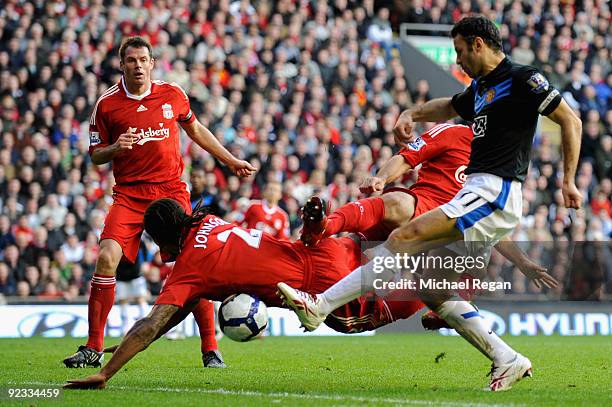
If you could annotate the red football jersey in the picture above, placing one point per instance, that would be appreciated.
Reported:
(155, 157)
(219, 259)
(444, 152)
(274, 221)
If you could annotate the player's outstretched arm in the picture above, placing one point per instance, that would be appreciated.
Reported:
(142, 334)
(205, 139)
(532, 270)
(436, 110)
(571, 134)
(389, 172)
(177, 318)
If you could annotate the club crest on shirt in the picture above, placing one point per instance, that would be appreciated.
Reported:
(167, 111)
(538, 83)
(417, 144)
(490, 95)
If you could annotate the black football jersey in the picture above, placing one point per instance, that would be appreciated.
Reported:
(503, 107)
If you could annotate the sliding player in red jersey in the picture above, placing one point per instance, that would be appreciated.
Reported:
(216, 259)
(135, 125)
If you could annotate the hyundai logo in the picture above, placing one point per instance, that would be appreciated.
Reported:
(55, 324)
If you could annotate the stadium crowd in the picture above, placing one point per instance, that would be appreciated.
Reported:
(307, 91)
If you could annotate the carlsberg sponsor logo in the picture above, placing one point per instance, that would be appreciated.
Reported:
(152, 135)
(202, 234)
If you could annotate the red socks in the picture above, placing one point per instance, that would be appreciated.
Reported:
(204, 314)
(101, 301)
(356, 216)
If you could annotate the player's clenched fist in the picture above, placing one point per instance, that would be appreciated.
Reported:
(125, 140)
(370, 185)
(571, 196)
(241, 168)
(402, 132)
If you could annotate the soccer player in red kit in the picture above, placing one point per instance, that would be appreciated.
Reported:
(266, 215)
(216, 259)
(443, 153)
(135, 125)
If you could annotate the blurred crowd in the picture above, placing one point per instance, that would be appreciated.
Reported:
(308, 91)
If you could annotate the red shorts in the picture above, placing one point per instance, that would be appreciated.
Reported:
(124, 222)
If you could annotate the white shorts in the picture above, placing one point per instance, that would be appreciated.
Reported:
(487, 209)
(132, 289)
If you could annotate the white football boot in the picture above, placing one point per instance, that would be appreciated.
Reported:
(503, 376)
(306, 306)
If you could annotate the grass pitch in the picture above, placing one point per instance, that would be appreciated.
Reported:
(380, 370)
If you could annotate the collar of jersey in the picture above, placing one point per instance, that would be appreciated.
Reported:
(499, 68)
(135, 97)
(267, 209)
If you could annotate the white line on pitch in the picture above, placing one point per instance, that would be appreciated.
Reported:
(329, 397)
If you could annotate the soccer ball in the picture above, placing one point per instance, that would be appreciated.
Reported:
(242, 317)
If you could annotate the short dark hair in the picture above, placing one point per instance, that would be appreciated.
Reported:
(135, 42)
(478, 26)
(166, 222)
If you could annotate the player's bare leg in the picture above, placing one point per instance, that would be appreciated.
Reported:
(399, 208)
(100, 303)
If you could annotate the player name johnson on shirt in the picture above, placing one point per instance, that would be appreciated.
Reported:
(202, 234)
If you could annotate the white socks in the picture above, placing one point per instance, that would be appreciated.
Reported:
(344, 291)
(125, 314)
(144, 309)
(125, 318)
(466, 320)
(354, 285)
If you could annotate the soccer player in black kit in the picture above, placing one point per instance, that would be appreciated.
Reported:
(503, 103)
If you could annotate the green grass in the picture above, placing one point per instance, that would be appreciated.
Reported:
(379, 370)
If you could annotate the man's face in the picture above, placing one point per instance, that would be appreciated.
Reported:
(198, 181)
(468, 56)
(273, 193)
(137, 65)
